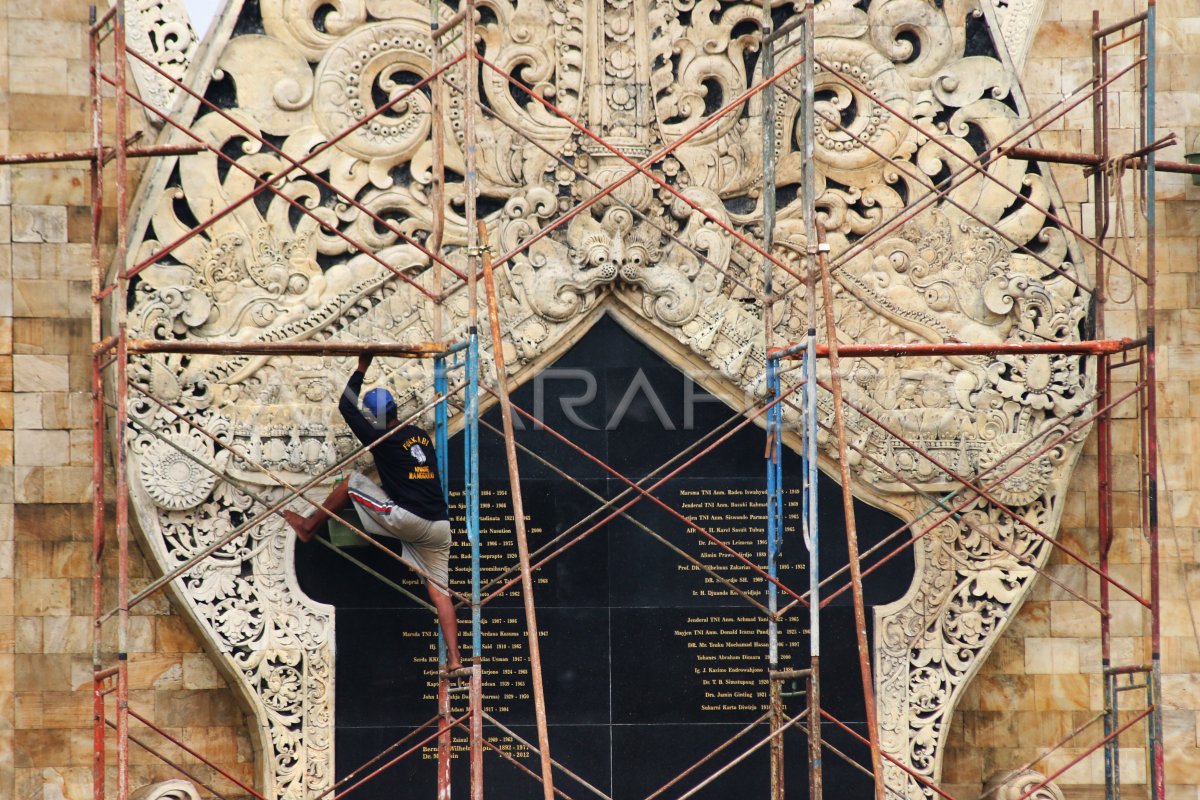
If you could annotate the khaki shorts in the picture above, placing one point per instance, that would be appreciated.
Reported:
(426, 542)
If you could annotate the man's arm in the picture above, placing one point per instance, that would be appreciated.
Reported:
(348, 405)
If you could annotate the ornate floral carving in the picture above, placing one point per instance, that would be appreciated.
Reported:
(161, 32)
(173, 472)
(983, 265)
(359, 75)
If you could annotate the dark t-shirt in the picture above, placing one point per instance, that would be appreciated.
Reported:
(406, 460)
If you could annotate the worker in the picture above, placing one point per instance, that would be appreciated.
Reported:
(409, 507)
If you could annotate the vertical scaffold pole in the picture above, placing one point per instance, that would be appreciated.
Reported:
(1157, 782)
(774, 545)
(437, 134)
(441, 425)
(470, 93)
(812, 530)
(774, 415)
(121, 112)
(434, 244)
(471, 500)
(518, 509)
(860, 614)
(1104, 422)
(811, 524)
(1112, 760)
(96, 175)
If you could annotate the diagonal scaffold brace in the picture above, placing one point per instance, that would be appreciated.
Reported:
(518, 508)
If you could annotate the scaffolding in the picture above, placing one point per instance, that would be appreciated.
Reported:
(1114, 360)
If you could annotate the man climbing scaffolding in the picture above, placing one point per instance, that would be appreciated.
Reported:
(408, 508)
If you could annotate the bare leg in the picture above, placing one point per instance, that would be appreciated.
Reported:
(449, 622)
(337, 501)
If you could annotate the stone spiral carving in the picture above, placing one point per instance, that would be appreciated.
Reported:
(982, 266)
(1018, 785)
(160, 32)
(176, 789)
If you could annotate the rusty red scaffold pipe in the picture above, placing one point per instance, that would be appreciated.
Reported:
(860, 616)
(518, 508)
(1102, 347)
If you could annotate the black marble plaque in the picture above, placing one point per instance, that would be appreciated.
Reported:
(652, 652)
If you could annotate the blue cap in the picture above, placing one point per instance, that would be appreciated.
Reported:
(379, 403)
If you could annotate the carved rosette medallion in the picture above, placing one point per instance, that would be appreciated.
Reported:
(172, 472)
(983, 265)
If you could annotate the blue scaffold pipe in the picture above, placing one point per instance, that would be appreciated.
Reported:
(457, 347)
(812, 526)
(441, 443)
(471, 493)
(774, 518)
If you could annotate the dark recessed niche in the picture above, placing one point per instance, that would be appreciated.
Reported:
(649, 663)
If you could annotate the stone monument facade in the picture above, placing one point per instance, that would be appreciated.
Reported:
(690, 295)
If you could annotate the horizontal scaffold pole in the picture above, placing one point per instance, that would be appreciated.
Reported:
(1090, 348)
(192, 347)
(1090, 160)
(106, 153)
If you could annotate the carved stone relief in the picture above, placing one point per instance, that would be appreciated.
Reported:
(1021, 785)
(176, 789)
(983, 266)
(1018, 23)
(162, 33)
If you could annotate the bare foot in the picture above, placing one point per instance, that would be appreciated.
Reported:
(454, 668)
(299, 525)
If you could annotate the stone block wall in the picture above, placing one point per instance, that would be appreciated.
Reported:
(1043, 680)
(46, 454)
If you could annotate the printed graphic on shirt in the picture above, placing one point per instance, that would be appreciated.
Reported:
(417, 441)
(415, 445)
